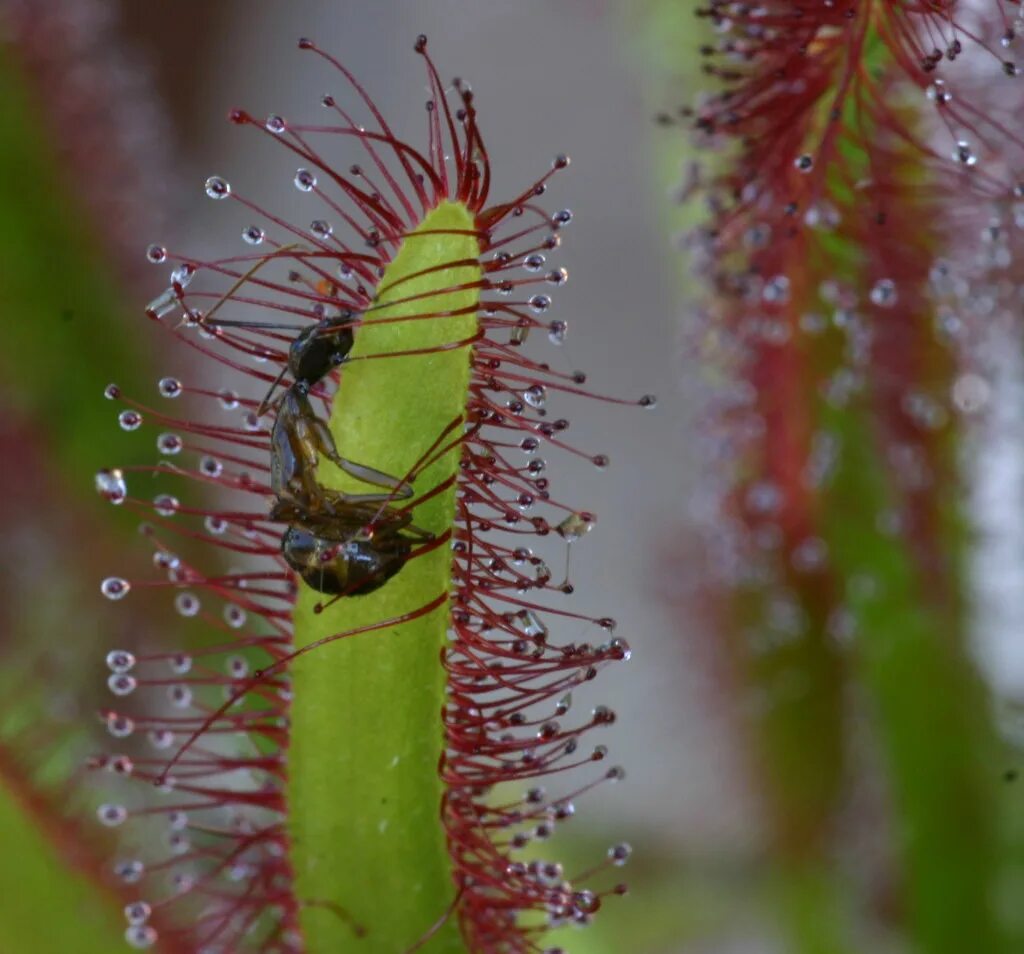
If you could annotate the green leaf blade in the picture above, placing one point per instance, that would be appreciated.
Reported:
(364, 790)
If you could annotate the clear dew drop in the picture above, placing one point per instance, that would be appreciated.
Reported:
(275, 124)
(558, 331)
(883, 293)
(180, 664)
(938, 93)
(822, 215)
(166, 505)
(187, 604)
(619, 854)
(115, 587)
(971, 393)
(129, 871)
(534, 262)
(234, 616)
(110, 485)
(215, 525)
(804, 163)
(119, 660)
(210, 466)
(964, 155)
(236, 667)
(253, 235)
(535, 395)
(178, 844)
(155, 254)
(138, 912)
(776, 290)
(619, 648)
(161, 739)
(228, 399)
(321, 228)
(129, 420)
(217, 188)
(169, 444)
(141, 936)
(165, 560)
(120, 765)
(169, 387)
(111, 815)
(304, 180)
(183, 275)
(122, 684)
(540, 304)
(180, 696)
(531, 625)
(119, 726)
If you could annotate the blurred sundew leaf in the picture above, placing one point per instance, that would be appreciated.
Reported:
(62, 334)
(47, 906)
(929, 709)
(930, 716)
(927, 706)
(366, 716)
(796, 741)
(63, 330)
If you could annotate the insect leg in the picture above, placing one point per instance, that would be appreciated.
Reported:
(399, 488)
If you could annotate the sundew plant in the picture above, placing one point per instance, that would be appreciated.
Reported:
(370, 739)
(862, 178)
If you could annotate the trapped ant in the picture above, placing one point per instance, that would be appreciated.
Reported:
(339, 543)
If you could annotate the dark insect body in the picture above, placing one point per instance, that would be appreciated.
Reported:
(351, 552)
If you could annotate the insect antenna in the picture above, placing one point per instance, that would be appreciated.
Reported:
(244, 277)
(266, 326)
